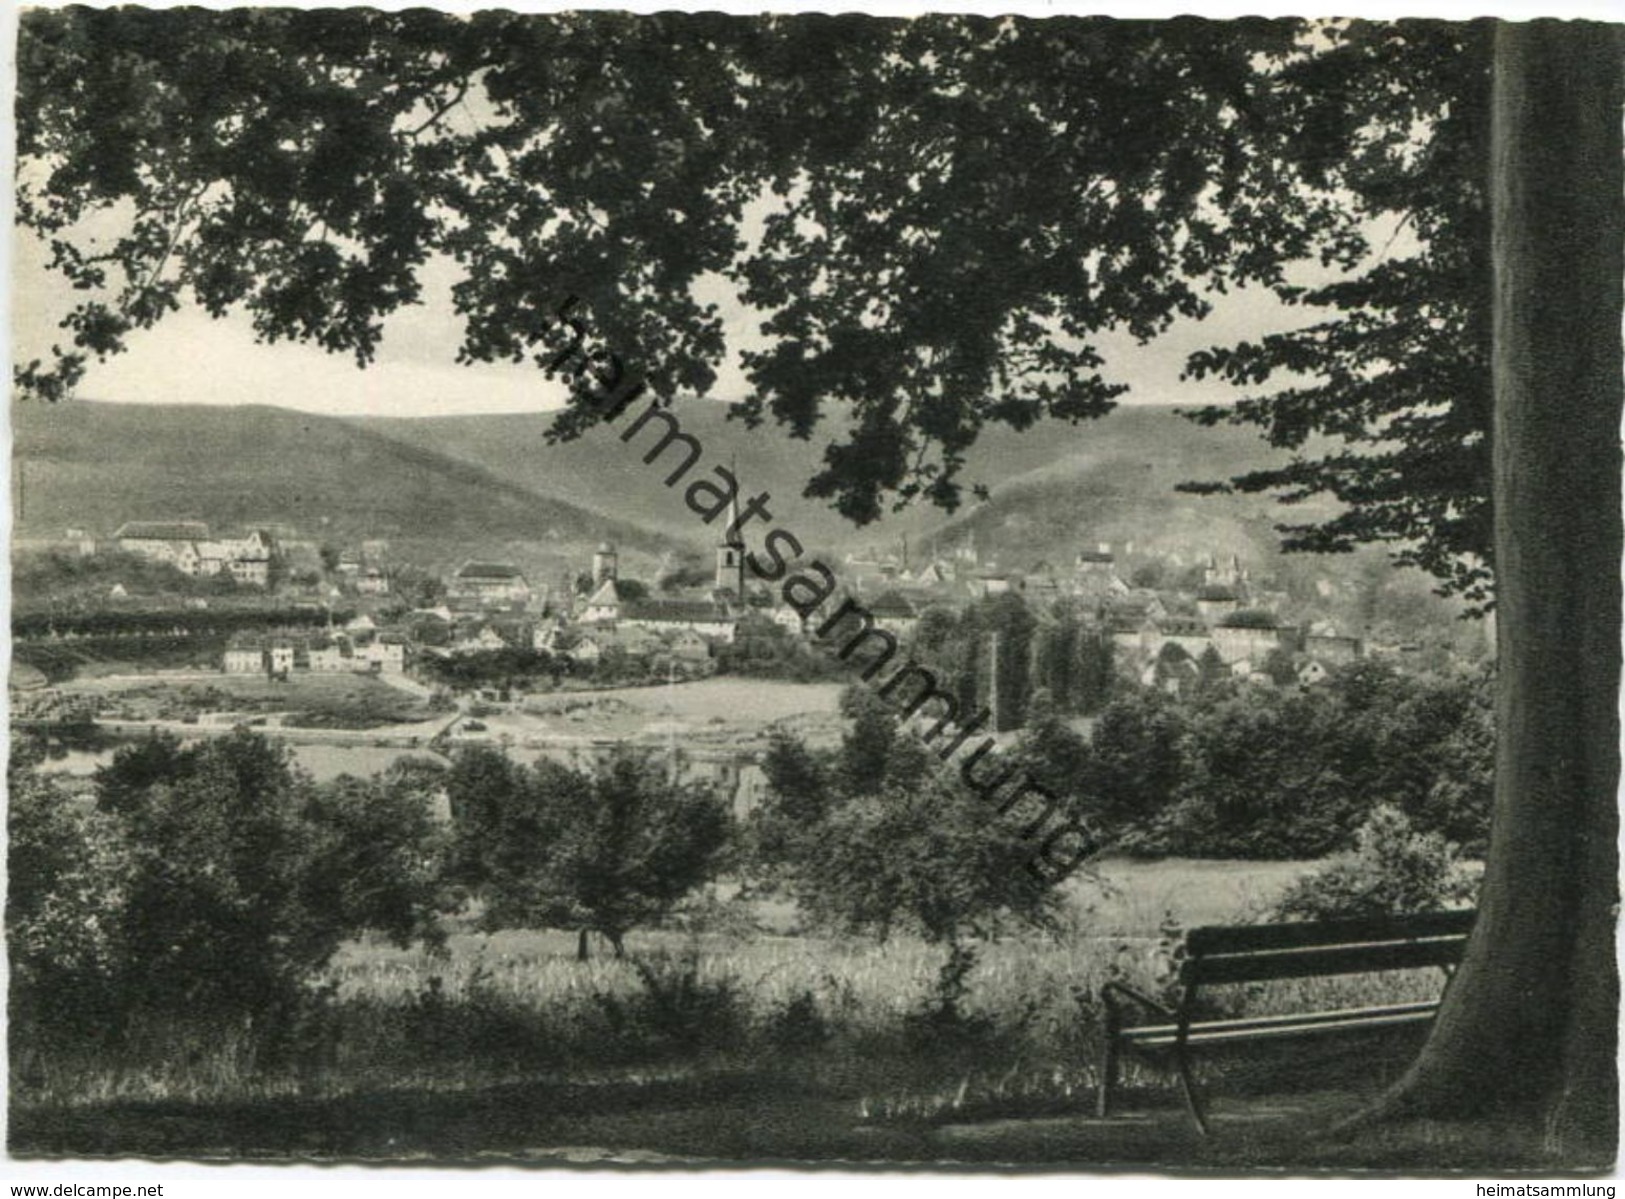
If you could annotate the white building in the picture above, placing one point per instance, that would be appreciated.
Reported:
(244, 658)
(708, 619)
(489, 583)
(187, 546)
(603, 605)
(386, 654)
(330, 657)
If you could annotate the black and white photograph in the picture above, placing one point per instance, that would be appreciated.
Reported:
(917, 592)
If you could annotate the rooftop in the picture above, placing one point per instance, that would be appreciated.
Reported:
(1250, 618)
(675, 611)
(163, 530)
(490, 570)
(891, 604)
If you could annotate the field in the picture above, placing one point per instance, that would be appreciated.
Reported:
(353, 701)
(716, 1037)
(716, 709)
(752, 700)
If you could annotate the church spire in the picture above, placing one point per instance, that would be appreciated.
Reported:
(731, 548)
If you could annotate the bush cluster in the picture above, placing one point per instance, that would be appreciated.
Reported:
(602, 850)
(1065, 655)
(1393, 870)
(1239, 771)
(214, 880)
(879, 836)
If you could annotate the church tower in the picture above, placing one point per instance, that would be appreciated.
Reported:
(603, 564)
(731, 555)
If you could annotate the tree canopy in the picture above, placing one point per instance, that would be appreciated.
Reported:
(935, 220)
(1397, 367)
(605, 849)
(215, 879)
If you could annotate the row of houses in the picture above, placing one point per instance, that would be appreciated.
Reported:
(442, 631)
(591, 645)
(715, 617)
(714, 614)
(188, 547)
(1249, 635)
(1176, 672)
(336, 653)
(1093, 575)
(1175, 659)
(489, 585)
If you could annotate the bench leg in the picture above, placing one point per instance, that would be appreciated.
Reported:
(1182, 1057)
(1108, 1070)
(1187, 1086)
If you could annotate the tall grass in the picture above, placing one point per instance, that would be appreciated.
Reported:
(882, 1024)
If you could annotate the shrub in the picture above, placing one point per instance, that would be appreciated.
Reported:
(70, 868)
(208, 884)
(676, 1010)
(1393, 870)
(782, 831)
(603, 851)
(941, 1021)
(798, 1025)
(926, 852)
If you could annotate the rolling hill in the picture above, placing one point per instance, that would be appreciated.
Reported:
(97, 465)
(599, 465)
(459, 486)
(1054, 487)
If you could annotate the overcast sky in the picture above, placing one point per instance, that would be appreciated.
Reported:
(191, 359)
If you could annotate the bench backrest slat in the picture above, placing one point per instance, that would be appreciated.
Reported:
(1256, 953)
(1241, 938)
(1316, 960)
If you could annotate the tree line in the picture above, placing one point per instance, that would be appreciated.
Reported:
(218, 880)
(1234, 770)
(34, 626)
(998, 652)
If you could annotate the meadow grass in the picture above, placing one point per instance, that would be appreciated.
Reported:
(344, 700)
(868, 1022)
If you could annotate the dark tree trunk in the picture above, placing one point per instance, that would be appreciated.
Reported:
(1529, 1023)
(581, 946)
(616, 940)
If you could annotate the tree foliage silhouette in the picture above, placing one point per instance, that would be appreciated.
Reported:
(949, 211)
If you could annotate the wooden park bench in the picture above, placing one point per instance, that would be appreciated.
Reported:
(1262, 952)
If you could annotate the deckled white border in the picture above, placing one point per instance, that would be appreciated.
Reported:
(190, 1181)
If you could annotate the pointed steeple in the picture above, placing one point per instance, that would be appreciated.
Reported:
(731, 548)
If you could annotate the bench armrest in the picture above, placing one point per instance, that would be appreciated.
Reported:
(1110, 990)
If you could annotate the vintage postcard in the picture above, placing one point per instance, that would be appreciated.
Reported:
(695, 589)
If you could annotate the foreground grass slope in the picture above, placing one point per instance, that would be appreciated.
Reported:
(726, 1035)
